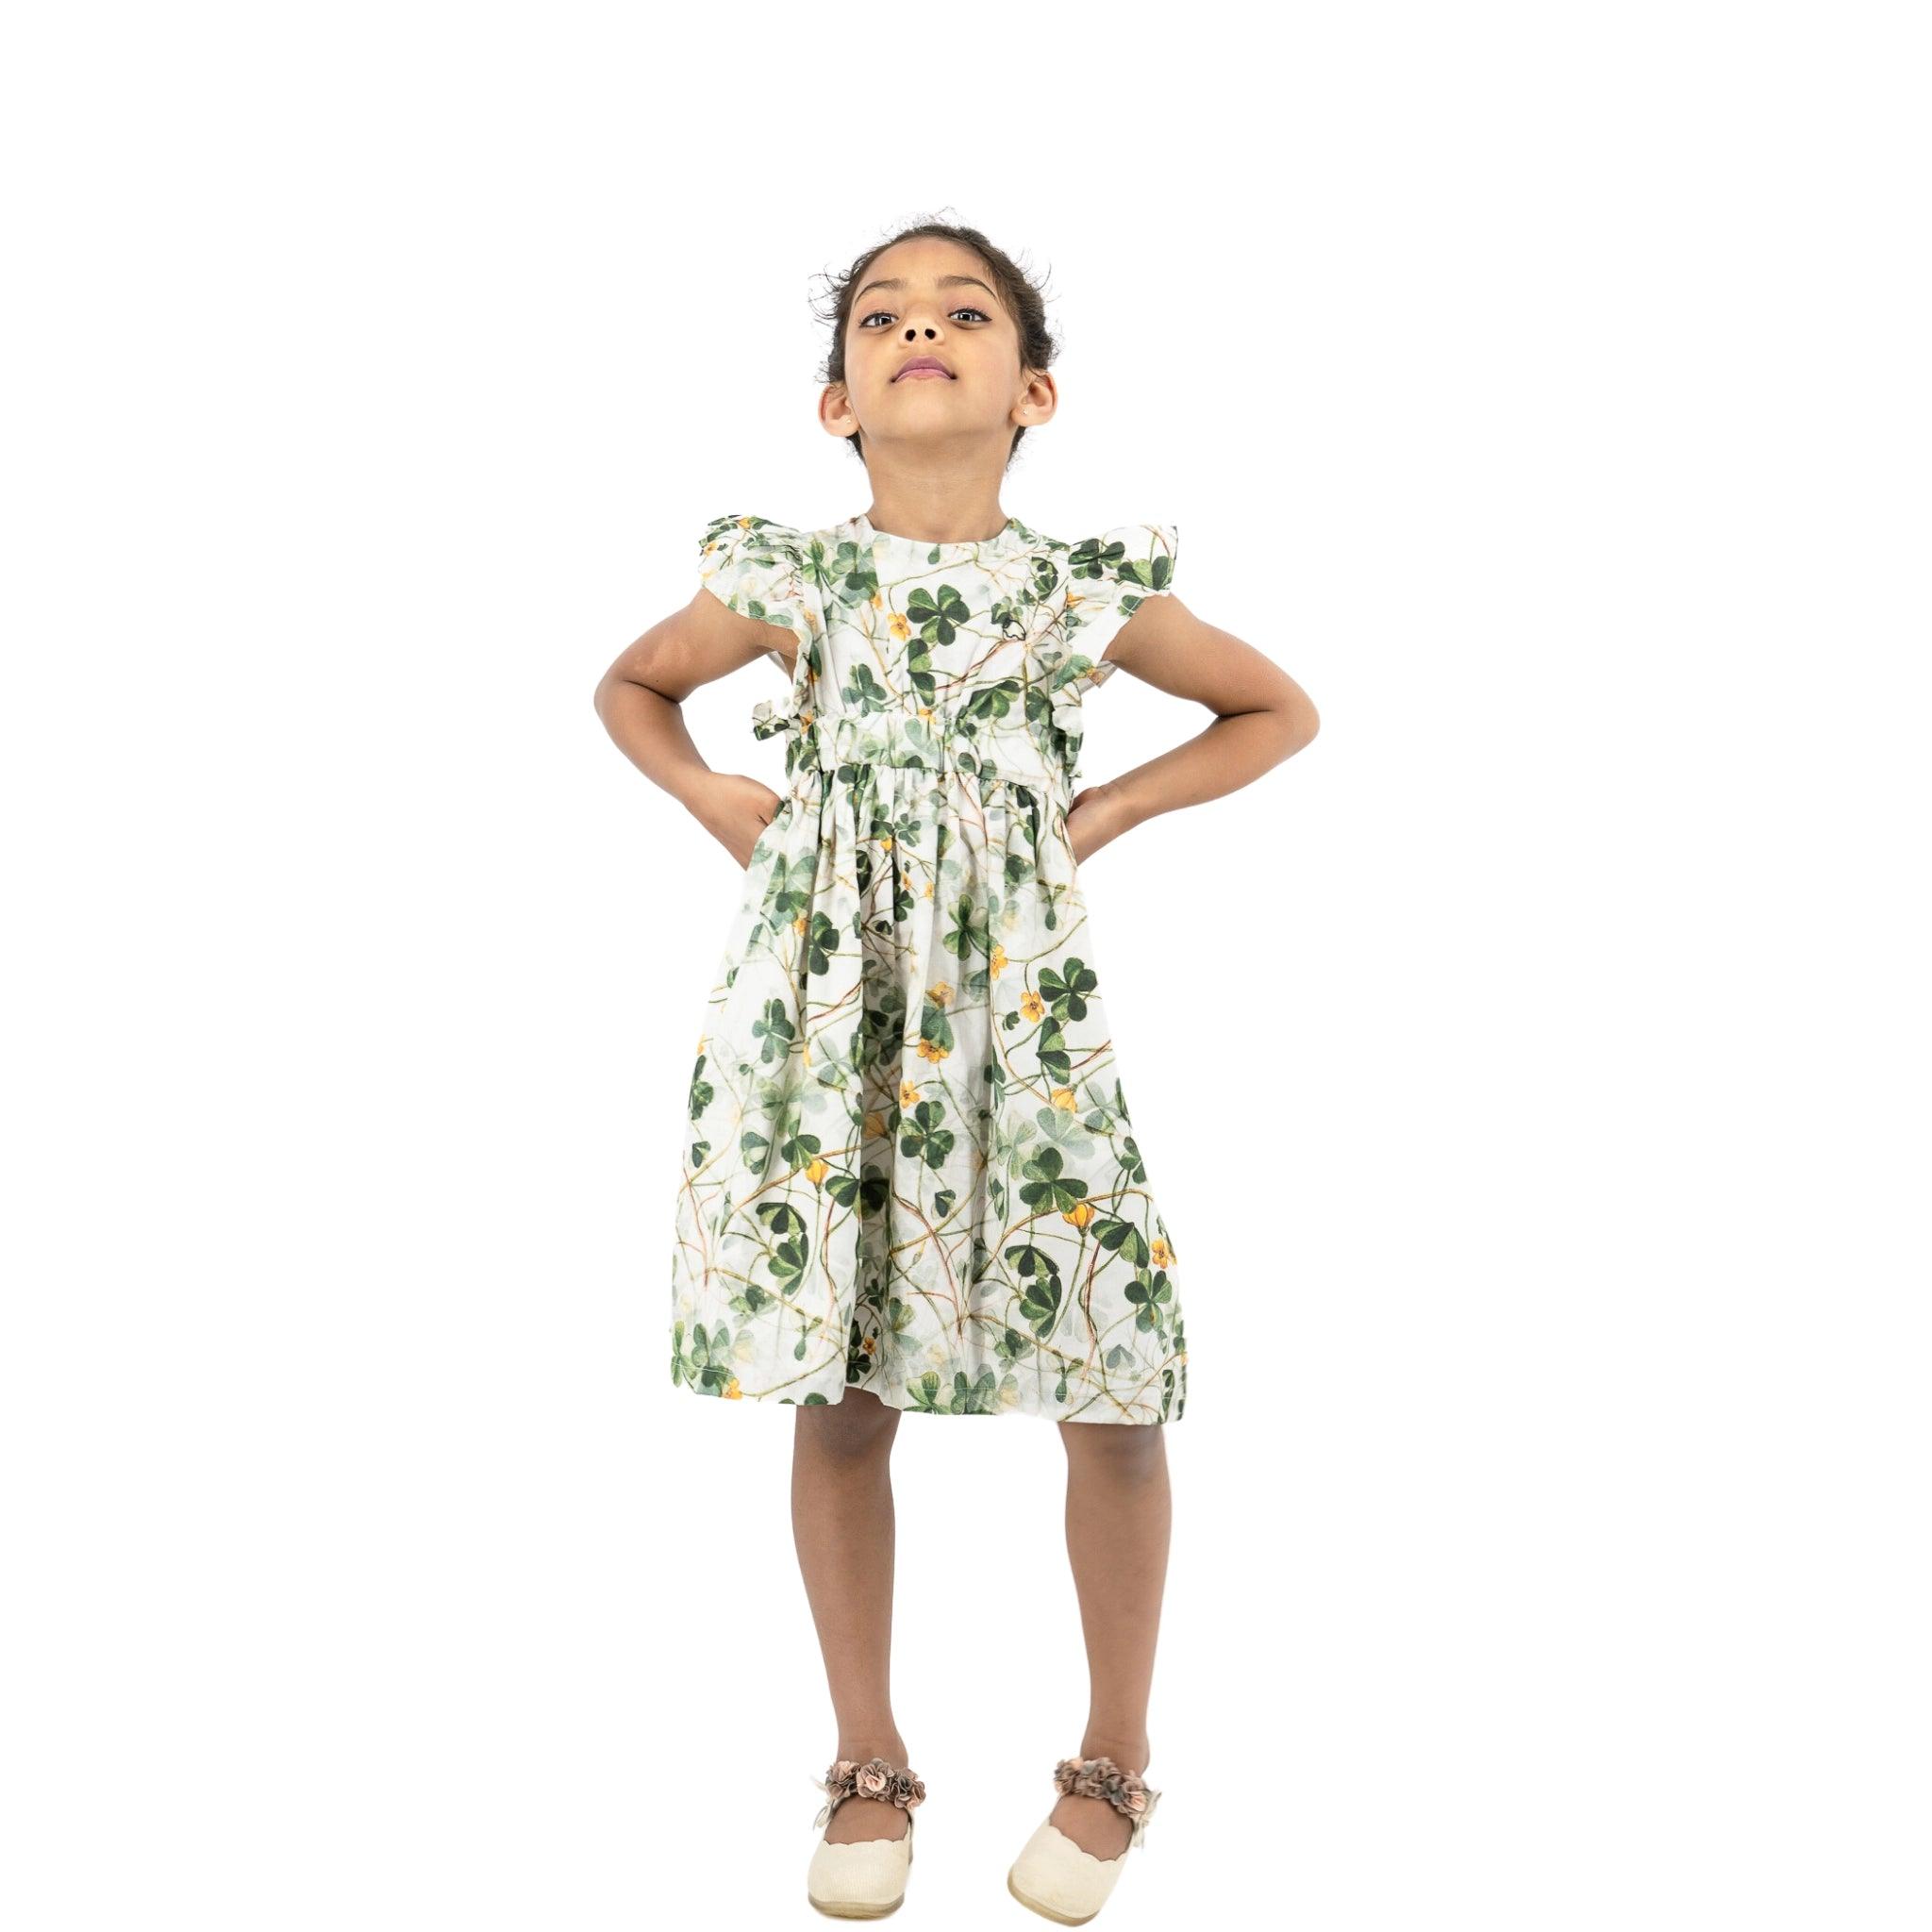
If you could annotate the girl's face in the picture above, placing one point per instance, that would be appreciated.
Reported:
(925, 301)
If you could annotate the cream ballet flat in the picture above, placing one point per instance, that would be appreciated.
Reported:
(865, 1879)
(1058, 1878)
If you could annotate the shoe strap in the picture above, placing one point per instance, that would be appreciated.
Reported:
(1101, 1778)
(876, 1777)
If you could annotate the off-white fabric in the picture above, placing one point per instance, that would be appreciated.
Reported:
(908, 1160)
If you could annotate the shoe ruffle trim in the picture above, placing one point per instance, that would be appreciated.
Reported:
(1101, 1778)
(874, 1779)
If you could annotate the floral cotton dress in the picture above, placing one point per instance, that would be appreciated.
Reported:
(909, 1165)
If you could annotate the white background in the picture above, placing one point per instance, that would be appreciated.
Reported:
(1533, 1073)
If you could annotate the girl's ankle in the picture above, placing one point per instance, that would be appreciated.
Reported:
(1130, 1754)
(860, 1749)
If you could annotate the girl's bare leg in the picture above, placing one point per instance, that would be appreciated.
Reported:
(841, 1523)
(1118, 1510)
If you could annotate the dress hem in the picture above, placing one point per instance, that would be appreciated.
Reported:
(1022, 1408)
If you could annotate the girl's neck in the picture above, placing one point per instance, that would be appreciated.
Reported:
(959, 518)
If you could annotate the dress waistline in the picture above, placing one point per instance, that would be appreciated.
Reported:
(938, 745)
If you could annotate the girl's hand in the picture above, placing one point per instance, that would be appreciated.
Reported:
(735, 808)
(1096, 815)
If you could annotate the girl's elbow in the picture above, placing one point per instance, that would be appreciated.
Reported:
(1300, 720)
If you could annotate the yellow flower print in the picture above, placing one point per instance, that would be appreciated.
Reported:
(932, 1050)
(732, 1391)
(1065, 1099)
(818, 1169)
(997, 964)
(798, 925)
(908, 1095)
(1032, 1005)
(1080, 1213)
(939, 993)
(1163, 1254)
(874, 1125)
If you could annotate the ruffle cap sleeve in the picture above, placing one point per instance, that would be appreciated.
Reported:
(1105, 577)
(759, 569)
(763, 570)
(768, 571)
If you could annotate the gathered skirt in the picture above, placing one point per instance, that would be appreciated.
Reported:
(907, 1162)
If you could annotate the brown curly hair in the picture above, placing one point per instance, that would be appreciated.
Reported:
(1022, 298)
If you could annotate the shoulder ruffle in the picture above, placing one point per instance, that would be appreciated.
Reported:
(1107, 576)
(765, 569)
(762, 570)
(1125, 565)
(1105, 579)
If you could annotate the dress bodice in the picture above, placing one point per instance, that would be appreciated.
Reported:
(970, 657)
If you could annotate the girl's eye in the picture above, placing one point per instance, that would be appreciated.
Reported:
(885, 315)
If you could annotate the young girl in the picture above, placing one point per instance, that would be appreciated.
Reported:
(910, 1178)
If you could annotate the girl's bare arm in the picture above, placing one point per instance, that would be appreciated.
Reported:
(1262, 716)
(640, 700)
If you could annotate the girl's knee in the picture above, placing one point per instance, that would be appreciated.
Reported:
(1121, 1445)
(856, 1423)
